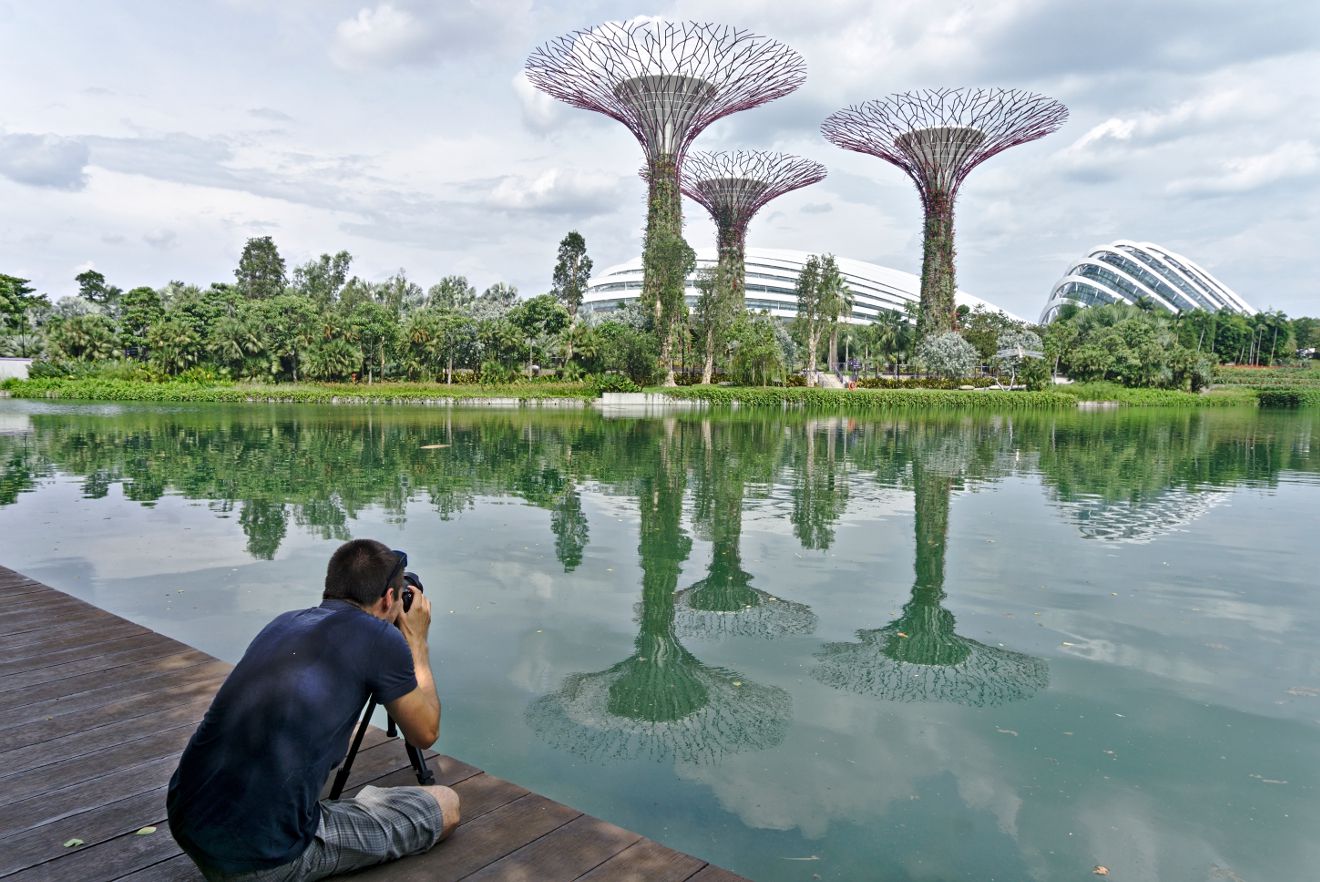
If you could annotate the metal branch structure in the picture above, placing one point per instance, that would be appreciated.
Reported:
(937, 136)
(733, 186)
(665, 81)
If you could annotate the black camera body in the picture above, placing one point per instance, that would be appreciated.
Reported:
(410, 584)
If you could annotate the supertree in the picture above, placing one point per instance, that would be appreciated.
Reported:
(661, 702)
(733, 187)
(918, 657)
(665, 81)
(938, 136)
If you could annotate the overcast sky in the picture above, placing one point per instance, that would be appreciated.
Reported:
(151, 139)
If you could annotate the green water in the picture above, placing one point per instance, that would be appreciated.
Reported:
(918, 648)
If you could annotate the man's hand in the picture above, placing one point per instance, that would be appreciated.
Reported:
(416, 622)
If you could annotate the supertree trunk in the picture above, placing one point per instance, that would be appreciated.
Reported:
(938, 281)
(732, 241)
(663, 282)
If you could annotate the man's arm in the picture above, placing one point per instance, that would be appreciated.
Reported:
(418, 712)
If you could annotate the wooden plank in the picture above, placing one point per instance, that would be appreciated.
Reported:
(68, 748)
(136, 706)
(81, 703)
(154, 746)
(176, 869)
(91, 649)
(646, 861)
(26, 644)
(58, 611)
(565, 853)
(97, 824)
(474, 845)
(86, 682)
(108, 860)
(27, 814)
(141, 649)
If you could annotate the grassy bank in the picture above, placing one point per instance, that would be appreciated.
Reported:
(91, 389)
(860, 400)
(1229, 397)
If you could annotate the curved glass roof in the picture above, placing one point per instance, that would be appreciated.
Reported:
(1124, 272)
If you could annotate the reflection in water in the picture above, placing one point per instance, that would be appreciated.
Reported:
(918, 657)
(661, 702)
(725, 603)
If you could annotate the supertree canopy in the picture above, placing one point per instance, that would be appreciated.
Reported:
(661, 702)
(733, 187)
(938, 136)
(665, 81)
(918, 657)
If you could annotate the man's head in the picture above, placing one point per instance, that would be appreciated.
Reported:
(364, 572)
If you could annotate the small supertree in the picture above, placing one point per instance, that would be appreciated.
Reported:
(665, 81)
(938, 136)
(733, 187)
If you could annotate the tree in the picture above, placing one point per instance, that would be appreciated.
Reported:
(88, 337)
(714, 314)
(667, 261)
(451, 292)
(260, 272)
(982, 328)
(323, 278)
(92, 287)
(19, 308)
(289, 325)
(139, 309)
(947, 355)
(820, 295)
(757, 357)
(538, 319)
(572, 272)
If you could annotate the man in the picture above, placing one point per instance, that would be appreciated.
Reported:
(244, 801)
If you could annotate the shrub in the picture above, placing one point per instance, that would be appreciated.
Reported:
(1035, 375)
(947, 355)
(1296, 397)
(855, 401)
(494, 372)
(613, 383)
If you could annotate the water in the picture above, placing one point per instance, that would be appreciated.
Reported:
(913, 648)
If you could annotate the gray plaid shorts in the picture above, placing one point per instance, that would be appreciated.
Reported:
(378, 825)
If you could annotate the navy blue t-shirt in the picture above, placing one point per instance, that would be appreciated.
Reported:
(246, 793)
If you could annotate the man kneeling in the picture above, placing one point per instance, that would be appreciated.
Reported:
(244, 801)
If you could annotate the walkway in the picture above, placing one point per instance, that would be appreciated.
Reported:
(94, 711)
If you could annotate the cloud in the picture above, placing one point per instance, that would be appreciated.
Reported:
(817, 208)
(393, 34)
(540, 112)
(1291, 159)
(162, 240)
(44, 161)
(558, 192)
(270, 113)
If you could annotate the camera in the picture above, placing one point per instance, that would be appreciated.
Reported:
(411, 584)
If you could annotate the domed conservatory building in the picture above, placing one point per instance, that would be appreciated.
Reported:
(1127, 272)
(772, 275)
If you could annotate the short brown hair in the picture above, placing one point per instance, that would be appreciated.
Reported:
(358, 570)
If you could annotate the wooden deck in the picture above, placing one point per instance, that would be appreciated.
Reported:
(94, 711)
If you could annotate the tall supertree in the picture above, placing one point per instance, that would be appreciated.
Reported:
(665, 81)
(938, 136)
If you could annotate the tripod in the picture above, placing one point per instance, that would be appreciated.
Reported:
(415, 755)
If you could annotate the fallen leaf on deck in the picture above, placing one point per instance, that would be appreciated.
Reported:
(73, 843)
(145, 831)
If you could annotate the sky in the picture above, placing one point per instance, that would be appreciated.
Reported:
(149, 139)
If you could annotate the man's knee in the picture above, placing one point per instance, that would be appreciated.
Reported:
(448, 800)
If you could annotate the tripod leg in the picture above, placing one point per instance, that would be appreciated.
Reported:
(342, 778)
(418, 759)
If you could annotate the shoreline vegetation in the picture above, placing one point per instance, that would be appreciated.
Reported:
(1263, 389)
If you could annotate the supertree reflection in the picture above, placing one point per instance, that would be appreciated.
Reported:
(918, 657)
(661, 702)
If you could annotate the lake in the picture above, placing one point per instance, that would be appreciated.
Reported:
(919, 647)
